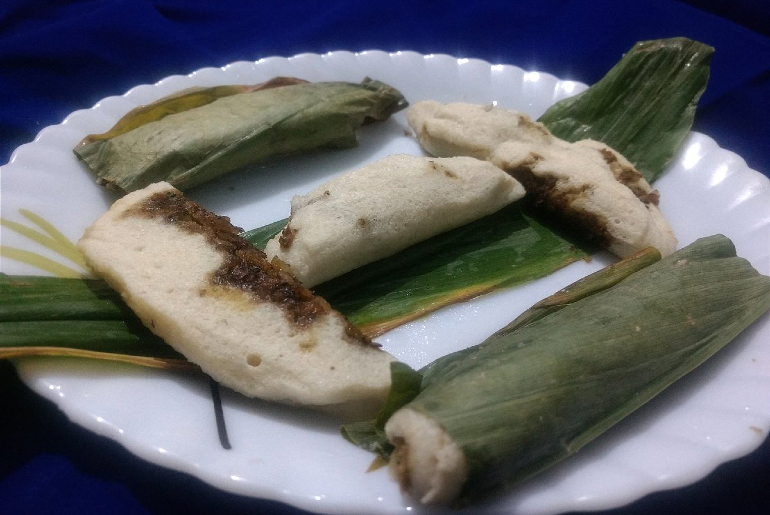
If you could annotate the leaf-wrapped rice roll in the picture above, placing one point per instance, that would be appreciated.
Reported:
(537, 391)
(186, 146)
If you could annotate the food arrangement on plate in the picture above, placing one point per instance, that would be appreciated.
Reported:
(498, 200)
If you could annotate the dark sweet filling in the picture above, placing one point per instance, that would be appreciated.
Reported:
(245, 267)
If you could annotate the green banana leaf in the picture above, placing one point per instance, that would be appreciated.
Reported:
(503, 249)
(534, 393)
(182, 101)
(195, 137)
(605, 278)
(46, 316)
(407, 383)
(645, 105)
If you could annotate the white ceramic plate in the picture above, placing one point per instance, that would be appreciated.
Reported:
(720, 412)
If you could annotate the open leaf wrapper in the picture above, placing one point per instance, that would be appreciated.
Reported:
(645, 105)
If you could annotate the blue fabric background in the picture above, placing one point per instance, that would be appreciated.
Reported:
(59, 56)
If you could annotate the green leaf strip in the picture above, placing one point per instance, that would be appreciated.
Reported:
(60, 243)
(643, 107)
(48, 237)
(41, 262)
(144, 361)
(594, 283)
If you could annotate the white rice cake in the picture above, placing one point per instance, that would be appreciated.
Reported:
(462, 129)
(428, 464)
(375, 211)
(586, 183)
(214, 297)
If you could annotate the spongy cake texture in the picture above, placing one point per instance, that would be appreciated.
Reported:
(216, 299)
(427, 462)
(586, 183)
(377, 210)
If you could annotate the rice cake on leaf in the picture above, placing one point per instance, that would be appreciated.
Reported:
(216, 299)
(587, 184)
(375, 211)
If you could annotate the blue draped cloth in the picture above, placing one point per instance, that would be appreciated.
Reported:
(59, 56)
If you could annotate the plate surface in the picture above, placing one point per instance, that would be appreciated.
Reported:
(719, 412)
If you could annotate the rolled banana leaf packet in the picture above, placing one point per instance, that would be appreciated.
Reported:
(482, 419)
(196, 135)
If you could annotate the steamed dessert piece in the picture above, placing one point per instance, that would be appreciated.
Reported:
(463, 129)
(586, 183)
(375, 211)
(485, 418)
(594, 188)
(216, 299)
(428, 463)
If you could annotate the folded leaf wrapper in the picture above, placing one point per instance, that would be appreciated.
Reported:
(541, 388)
(197, 135)
(643, 107)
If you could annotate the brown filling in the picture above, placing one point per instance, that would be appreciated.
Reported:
(400, 465)
(245, 267)
(543, 196)
(629, 177)
(528, 123)
(439, 168)
(287, 237)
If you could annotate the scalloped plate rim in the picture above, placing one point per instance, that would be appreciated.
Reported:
(36, 374)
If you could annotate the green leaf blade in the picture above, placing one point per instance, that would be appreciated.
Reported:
(643, 107)
(504, 249)
(39, 298)
(50, 316)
